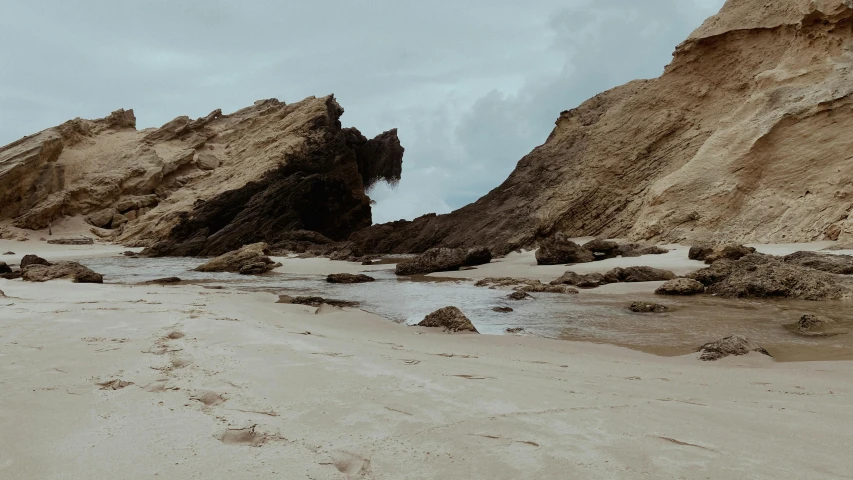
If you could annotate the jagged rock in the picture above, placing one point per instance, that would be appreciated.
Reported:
(102, 218)
(496, 282)
(760, 276)
(118, 220)
(733, 345)
(349, 278)
(477, 256)
(449, 318)
(5, 268)
(33, 260)
(559, 250)
(840, 264)
(818, 326)
(728, 252)
(540, 287)
(717, 272)
(681, 286)
(646, 307)
(503, 310)
(315, 301)
(637, 274)
(758, 95)
(207, 161)
(248, 260)
(43, 273)
(163, 281)
(518, 296)
(700, 251)
(590, 280)
(639, 249)
(514, 330)
(71, 241)
(434, 260)
(602, 249)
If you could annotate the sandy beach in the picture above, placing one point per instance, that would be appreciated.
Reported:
(230, 384)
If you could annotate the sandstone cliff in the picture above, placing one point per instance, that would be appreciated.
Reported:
(205, 186)
(745, 137)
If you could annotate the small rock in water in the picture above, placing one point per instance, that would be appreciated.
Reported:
(514, 330)
(2, 295)
(9, 253)
(71, 241)
(733, 345)
(516, 296)
(5, 268)
(502, 310)
(348, 278)
(162, 281)
(681, 286)
(33, 260)
(645, 307)
(129, 253)
(314, 301)
(449, 318)
(818, 326)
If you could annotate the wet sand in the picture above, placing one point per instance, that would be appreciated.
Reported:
(223, 383)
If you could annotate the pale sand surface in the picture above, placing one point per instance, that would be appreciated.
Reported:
(362, 397)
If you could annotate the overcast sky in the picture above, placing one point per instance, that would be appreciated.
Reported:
(472, 85)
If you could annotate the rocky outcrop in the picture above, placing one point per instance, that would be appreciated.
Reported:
(71, 241)
(646, 307)
(349, 278)
(763, 276)
(33, 260)
(818, 326)
(559, 250)
(745, 138)
(248, 260)
(590, 280)
(73, 270)
(205, 186)
(717, 272)
(602, 249)
(434, 260)
(477, 256)
(638, 274)
(727, 252)
(681, 286)
(315, 301)
(840, 264)
(633, 249)
(733, 345)
(451, 319)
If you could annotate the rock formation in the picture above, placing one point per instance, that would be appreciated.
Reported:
(681, 286)
(37, 272)
(449, 318)
(204, 186)
(745, 137)
(248, 260)
(349, 278)
(733, 345)
(818, 326)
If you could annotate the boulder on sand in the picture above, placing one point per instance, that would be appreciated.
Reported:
(700, 251)
(818, 326)
(477, 256)
(33, 260)
(681, 286)
(248, 260)
(638, 274)
(433, 260)
(602, 249)
(728, 252)
(449, 318)
(559, 250)
(646, 307)
(733, 345)
(348, 278)
(762, 276)
(590, 280)
(638, 250)
(826, 262)
(715, 273)
(43, 273)
(5, 268)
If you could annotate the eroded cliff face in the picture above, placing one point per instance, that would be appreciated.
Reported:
(745, 137)
(205, 186)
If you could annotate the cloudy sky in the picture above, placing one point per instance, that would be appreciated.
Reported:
(472, 85)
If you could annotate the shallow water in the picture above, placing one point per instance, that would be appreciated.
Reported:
(602, 318)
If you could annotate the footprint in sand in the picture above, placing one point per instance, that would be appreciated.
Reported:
(175, 335)
(350, 463)
(251, 437)
(114, 385)
(208, 398)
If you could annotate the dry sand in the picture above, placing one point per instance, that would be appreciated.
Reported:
(229, 384)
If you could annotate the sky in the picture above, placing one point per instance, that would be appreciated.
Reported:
(471, 85)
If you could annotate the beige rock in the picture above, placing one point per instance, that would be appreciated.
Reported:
(248, 260)
(206, 161)
(449, 318)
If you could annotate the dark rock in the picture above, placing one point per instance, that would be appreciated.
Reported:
(761, 276)
(602, 249)
(540, 287)
(315, 301)
(590, 280)
(129, 253)
(71, 241)
(826, 262)
(638, 274)
(449, 318)
(681, 286)
(734, 345)
(5, 268)
(646, 307)
(818, 326)
(717, 272)
(348, 278)
(514, 330)
(33, 260)
(559, 250)
(9, 253)
(700, 251)
(434, 260)
(36, 272)
(728, 252)
(11, 275)
(2, 295)
(346, 252)
(248, 260)
(367, 262)
(519, 295)
(162, 281)
(502, 309)
(477, 256)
